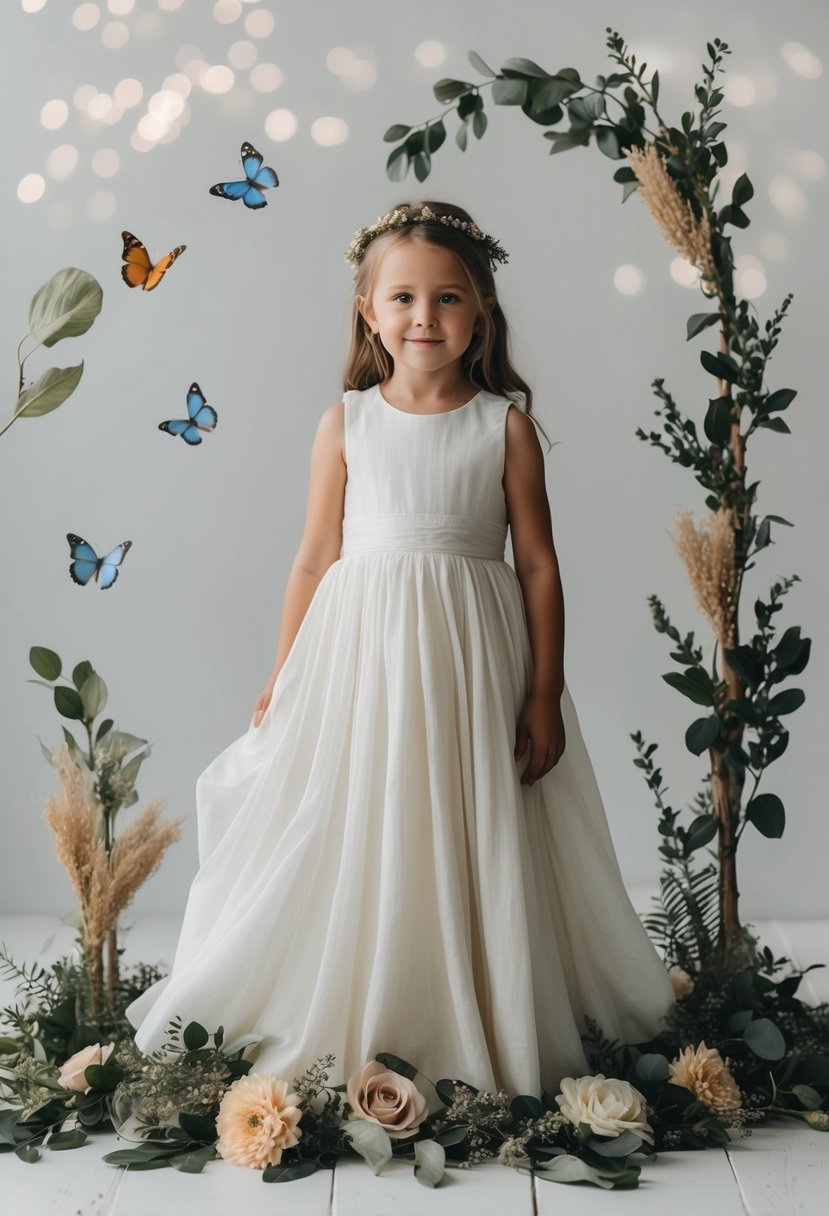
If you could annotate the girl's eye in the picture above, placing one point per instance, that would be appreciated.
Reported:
(451, 295)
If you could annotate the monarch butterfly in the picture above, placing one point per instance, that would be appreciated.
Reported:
(256, 180)
(202, 417)
(139, 270)
(85, 562)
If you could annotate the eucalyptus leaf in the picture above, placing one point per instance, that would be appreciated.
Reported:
(65, 306)
(370, 1140)
(93, 695)
(567, 1168)
(49, 391)
(45, 662)
(430, 1160)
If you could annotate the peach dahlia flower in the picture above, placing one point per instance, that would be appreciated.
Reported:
(257, 1119)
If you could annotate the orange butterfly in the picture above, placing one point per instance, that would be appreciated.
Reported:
(139, 270)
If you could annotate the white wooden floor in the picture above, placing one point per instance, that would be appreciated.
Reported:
(781, 1168)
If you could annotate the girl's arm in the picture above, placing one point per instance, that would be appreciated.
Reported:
(322, 537)
(534, 554)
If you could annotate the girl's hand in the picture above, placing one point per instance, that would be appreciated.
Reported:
(540, 725)
(261, 705)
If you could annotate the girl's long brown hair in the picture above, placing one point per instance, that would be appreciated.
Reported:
(486, 361)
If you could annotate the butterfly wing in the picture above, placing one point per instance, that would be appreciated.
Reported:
(252, 165)
(161, 267)
(84, 559)
(232, 190)
(201, 414)
(138, 262)
(181, 426)
(110, 564)
(253, 197)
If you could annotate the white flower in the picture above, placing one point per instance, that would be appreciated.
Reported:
(609, 1106)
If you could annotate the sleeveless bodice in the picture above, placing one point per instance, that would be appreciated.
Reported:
(424, 481)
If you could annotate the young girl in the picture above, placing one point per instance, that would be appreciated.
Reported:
(401, 854)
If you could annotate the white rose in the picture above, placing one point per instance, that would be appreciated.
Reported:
(71, 1073)
(609, 1106)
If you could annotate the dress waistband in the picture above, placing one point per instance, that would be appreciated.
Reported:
(466, 535)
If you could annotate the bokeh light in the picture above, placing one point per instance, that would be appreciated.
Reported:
(120, 8)
(86, 17)
(83, 95)
(430, 54)
(106, 162)
(628, 279)
(225, 12)
(242, 55)
(265, 77)
(54, 114)
(114, 35)
(281, 125)
(683, 272)
(809, 164)
(749, 276)
(101, 206)
(786, 196)
(32, 6)
(128, 92)
(217, 79)
(149, 26)
(329, 131)
(31, 187)
(260, 23)
(62, 162)
(802, 61)
(739, 90)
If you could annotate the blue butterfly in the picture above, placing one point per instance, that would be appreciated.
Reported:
(256, 180)
(202, 418)
(85, 562)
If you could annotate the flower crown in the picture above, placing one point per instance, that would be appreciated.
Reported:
(414, 215)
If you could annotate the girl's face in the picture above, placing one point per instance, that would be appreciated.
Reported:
(420, 292)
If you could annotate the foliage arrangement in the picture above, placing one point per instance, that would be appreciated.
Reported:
(98, 779)
(744, 690)
(63, 307)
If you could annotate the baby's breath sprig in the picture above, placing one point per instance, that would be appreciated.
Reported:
(414, 215)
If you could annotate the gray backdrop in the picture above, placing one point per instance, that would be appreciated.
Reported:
(256, 311)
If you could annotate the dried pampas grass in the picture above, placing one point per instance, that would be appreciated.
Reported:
(707, 552)
(675, 217)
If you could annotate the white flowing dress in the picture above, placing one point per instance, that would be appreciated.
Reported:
(373, 874)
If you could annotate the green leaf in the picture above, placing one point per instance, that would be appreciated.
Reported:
(198, 1127)
(49, 391)
(80, 672)
(742, 190)
(104, 1076)
(28, 1153)
(45, 662)
(395, 132)
(651, 1068)
(93, 695)
(526, 1106)
(479, 65)
(765, 1039)
(141, 1154)
(702, 829)
(718, 419)
(397, 165)
(721, 365)
(701, 734)
(607, 141)
(447, 89)
(523, 67)
(8, 1123)
(65, 306)
(808, 1097)
(289, 1172)
(775, 424)
(699, 321)
(695, 684)
(68, 702)
(370, 1140)
(615, 1146)
(787, 702)
(781, 399)
(567, 1168)
(430, 1161)
(396, 1064)
(194, 1036)
(194, 1160)
(768, 815)
(64, 1140)
(509, 92)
